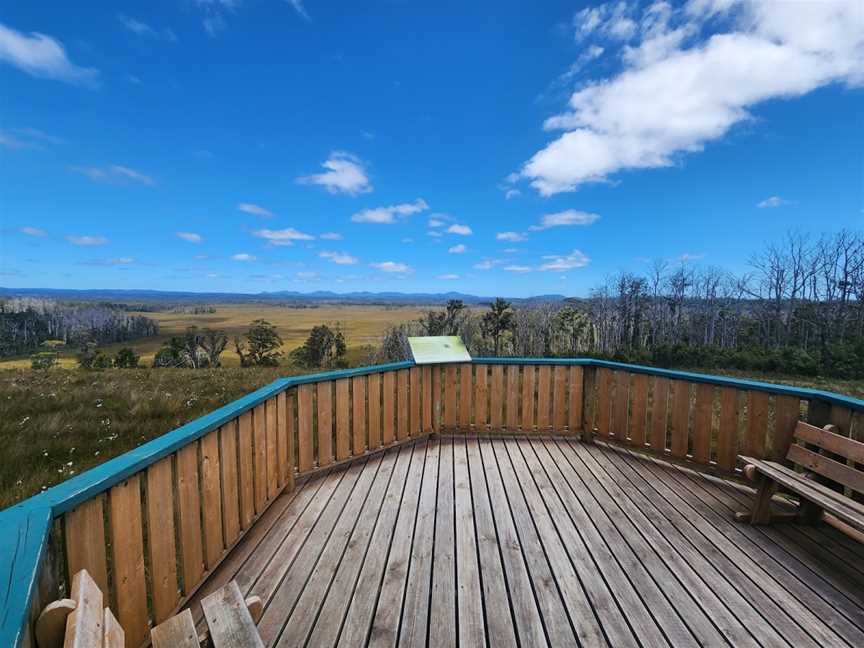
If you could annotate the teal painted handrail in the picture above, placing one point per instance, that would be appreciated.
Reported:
(25, 527)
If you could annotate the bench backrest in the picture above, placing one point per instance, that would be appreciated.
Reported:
(843, 461)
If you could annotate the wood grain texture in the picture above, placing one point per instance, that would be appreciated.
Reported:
(727, 434)
(481, 398)
(285, 468)
(512, 398)
(84, 625)
(402, 404)
(177, 632)
(466, 391)
(702, 418)
(189, 507)
(496, 398)
(230, 482)
(160, 538)
(229, 621)
(757, 423)
(527, 396)
(373, 386)
(575, 396)
(638, 414)
(415, 422)
(604, 403)
(787, 411)
(324, 422)
(245, 464)
(559, 399)
(84, 531)
(259, 440)
(272, 429)
(389, 408)
(680, 418)
(291, 430)
(621, 405)
(305, 449)
(544, 399)
(358, 418)
(659, 413)
(114, 636)
(127, 559)
(343, 419)
(211, 497)
(436, 397)
(450, 399)
(427, 398)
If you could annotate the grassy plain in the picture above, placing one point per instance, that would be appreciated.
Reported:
(363, 326)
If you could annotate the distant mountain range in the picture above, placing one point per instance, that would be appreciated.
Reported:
(326, 296)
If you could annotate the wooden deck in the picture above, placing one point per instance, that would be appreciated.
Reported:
(530, 542)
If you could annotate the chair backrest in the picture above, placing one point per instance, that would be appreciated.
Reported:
(843, 458)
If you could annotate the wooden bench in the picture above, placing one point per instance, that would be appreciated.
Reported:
(230, 620)
(82, 621)
(822, 454)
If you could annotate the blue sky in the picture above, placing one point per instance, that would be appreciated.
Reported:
(510, 148)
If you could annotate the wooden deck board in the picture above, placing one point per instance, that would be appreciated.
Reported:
(537, 541)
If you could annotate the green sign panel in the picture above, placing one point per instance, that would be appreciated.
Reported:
(436, 349)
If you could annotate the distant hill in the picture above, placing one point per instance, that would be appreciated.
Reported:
(319, 296)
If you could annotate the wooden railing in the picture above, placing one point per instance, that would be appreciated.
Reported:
(152, 524)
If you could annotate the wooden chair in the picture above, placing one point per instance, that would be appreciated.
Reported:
(815, 498)
(80, 621)
(230, 620)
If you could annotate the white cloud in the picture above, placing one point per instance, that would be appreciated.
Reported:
(215, 12)
(85, 240)
(520, 269)
(458, 249)
(297, 5)
(285, 236)
(679, 91)
(447, 277)
(565, 218)
(434, 234)
(511, 193)
(331, 236)
(344, 173)
(436, 222)
(26, 138)
(773, 201)
(339, 258)
(510, 236)
(613, 20)
(119, 261)
(255, 210)
(42, 56)
(575, 259)
(689, 256)
(389, 215)
(33, 231)
(242, 256)
(192, 237)
(487, 264)
(143, 29)
(116, 174)
(392, 266)
(461, 230)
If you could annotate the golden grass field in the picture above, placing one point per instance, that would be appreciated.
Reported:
(363, 326)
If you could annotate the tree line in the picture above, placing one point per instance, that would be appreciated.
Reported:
(26, 324)
(799, 308)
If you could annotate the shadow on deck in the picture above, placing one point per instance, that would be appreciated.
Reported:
(542, 541)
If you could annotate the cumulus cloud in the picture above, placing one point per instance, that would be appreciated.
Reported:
(680, 89)
(510, 236)
(339, 258)
(42, 56)
(191, 237)
(565, 218)
(33, 231)
(392, 267)
(344, 173)
(773, 201)
(558, 263)
(255, 210)
(243, 256)
(285, 236)
(389, 215)
(115, 174)
(461, 230)
(86, 240)
(458, 249)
